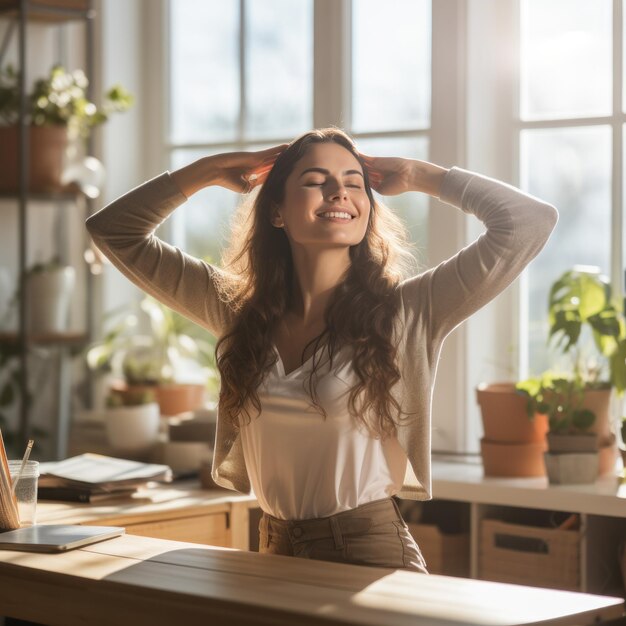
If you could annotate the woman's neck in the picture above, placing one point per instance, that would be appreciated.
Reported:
(316, 276)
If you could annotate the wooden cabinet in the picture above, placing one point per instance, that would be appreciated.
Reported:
(595, 515)
(179, 512)
(211, 529)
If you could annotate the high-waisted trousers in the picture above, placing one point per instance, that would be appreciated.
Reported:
(371, 534)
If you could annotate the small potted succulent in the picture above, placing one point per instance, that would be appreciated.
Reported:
(58, 112)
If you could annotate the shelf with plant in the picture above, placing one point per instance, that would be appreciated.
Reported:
(171, 356)
(587, 326)
(59, 115)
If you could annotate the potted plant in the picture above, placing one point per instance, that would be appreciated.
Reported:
(58, 112)
(132, 421)
(514, 441)
(175, 360)
(50, 287)
(578, 402)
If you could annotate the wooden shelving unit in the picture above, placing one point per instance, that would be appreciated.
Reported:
(17, 15)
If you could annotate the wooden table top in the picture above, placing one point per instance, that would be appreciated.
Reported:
(151, 582)
(148, 504)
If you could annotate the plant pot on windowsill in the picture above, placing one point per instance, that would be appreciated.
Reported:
(572, 468)
(505, 416)
(513, 460)
(513, 443)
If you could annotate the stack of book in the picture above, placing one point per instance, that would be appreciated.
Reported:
(95, 477)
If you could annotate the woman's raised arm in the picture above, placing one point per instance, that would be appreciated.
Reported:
(124, 232)
(518, 226)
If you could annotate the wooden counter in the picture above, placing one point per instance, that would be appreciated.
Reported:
(152, 582)
(180, 511)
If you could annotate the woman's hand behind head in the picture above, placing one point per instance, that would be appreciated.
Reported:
(243, 171)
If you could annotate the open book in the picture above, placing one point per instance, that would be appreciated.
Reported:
(100, 473)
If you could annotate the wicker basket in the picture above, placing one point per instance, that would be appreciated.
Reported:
(529, 555)
(444, 553)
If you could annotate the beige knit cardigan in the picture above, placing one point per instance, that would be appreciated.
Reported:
(432, 303)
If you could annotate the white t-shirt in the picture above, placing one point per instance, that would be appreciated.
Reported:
(302, 466)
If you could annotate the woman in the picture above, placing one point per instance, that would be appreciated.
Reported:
(327, 357)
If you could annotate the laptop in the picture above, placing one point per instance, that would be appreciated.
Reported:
(56, 537)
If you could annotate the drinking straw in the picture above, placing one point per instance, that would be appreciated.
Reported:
(29, 447)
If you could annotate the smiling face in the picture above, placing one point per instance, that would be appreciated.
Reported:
(325, 202)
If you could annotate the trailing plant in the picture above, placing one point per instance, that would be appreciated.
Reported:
(158, 357)
(559, 398)
(59, 99)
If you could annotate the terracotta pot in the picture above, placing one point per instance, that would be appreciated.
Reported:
(173, 398)
(607, 456)
(504, 415)
(47, 154)
(180, 398)
(513, 460)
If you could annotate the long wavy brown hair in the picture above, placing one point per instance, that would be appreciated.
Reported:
(257, 285)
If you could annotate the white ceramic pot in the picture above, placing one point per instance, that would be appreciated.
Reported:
(133, 428)
(572, 468)
(49, 299)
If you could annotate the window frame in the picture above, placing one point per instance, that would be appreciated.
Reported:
(461, 85)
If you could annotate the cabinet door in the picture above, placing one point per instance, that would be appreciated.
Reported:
(206, 529)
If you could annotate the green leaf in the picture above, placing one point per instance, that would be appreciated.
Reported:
(617, 363)
(583, 419)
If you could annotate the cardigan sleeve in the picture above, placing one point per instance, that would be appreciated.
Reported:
(124, 232)
(518, 226)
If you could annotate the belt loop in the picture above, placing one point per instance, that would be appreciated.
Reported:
(265, 534)
(396, 507)
(337, 536)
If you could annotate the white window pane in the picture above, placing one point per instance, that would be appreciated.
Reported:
(279, 67)
(201, 225)
(566, 58)
(204, 81)
(411, 207)
(391, 64)
(571, 168)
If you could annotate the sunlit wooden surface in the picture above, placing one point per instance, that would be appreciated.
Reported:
(152, 582)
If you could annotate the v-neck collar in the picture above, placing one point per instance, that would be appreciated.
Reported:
(293, 373)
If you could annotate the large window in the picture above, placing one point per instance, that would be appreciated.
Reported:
(236, 82)
(427, 80)
(241, 80)
(570, 130)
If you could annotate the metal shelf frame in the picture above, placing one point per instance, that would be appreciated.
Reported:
(55, 13)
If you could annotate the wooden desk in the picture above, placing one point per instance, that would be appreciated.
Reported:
(152, 582)
(178, 511)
